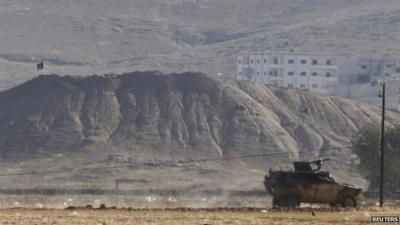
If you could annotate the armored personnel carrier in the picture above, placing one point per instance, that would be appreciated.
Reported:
(307, 183)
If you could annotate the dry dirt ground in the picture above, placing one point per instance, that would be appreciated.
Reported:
(197, 217)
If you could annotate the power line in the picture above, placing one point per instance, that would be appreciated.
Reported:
(156, 164)
(220, 159)
(144, 164)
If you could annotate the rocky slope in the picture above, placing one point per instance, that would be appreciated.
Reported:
(77, 125)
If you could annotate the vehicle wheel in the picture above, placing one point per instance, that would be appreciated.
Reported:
(274, 201)
(348, 202)
(279, 201)
(292, 202)
(333, 205)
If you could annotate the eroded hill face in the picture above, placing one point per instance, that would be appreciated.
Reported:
(145, 117)
(174, 112)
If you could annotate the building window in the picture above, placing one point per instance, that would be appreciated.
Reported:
(265, 73)
(328, 62)
(328, 74)
(240, 61)
(303, 61)
(315, 62)
(273, 73)
(290, 73)
(303, 74)
(265, 61)
(315, 74)
(290, 86)
(275, 61)
(387, 74)
(291, 61)
(240, 73)
(258, 61)
(302, 86)
(364, 67)
(251, 61)
(258, 73)
(398, 70)
(315, 85)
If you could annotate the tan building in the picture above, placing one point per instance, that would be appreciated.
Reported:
(360, 78)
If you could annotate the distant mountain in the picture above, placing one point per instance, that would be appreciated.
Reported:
(73, 125)
(87, 37)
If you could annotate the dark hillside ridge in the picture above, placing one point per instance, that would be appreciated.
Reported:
(179, 115)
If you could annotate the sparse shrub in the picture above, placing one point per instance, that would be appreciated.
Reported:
(367, 146)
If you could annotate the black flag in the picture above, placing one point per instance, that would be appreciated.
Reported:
(40, 66)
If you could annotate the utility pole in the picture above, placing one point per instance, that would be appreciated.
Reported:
(117, 192)
(382, 146)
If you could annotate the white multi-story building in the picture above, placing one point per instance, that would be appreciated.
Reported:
(342, 75)
(302, 71)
